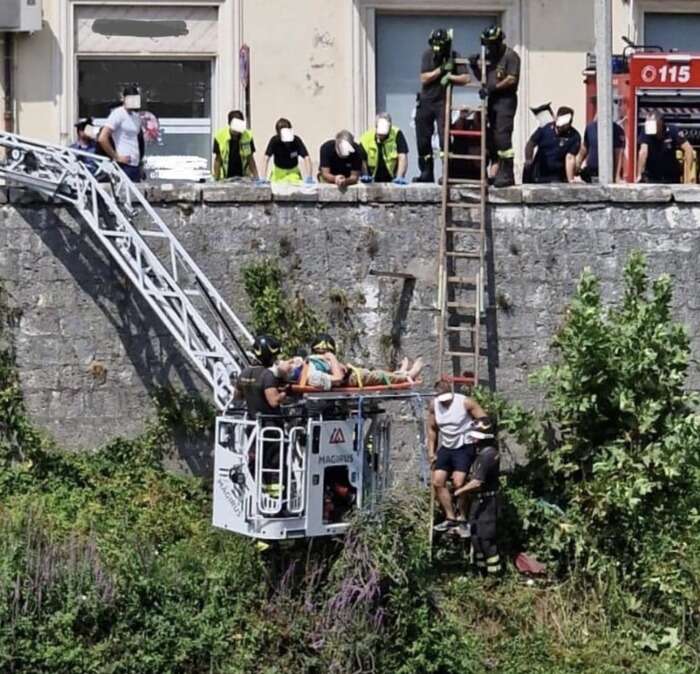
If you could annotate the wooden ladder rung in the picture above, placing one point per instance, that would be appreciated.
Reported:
(456, 328)
(472, 254)
(462, 279)
(461, 204)
(463, 354)
(461, 305)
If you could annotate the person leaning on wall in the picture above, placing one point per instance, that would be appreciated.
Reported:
(234, 150)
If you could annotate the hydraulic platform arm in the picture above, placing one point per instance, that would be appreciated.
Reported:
(143, 247)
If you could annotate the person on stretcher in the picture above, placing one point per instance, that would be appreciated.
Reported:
(323, 370)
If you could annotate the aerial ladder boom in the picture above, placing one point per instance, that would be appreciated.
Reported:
(144, 248)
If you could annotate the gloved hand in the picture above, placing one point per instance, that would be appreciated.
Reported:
(483, 93)
(259, 182)
(309, 180)
(474, 60)
(445, 80)
(447, 67)
(366, 179)
(400, 181)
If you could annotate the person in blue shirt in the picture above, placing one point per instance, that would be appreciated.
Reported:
(557, 145)
(86, 133)
(587, 159)
(658, 145)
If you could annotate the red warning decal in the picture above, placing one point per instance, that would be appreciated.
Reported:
(337, 437)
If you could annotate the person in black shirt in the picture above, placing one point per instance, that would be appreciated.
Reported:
(658, 145)
(341, 160)
(234, 149)
(483, 484)
(501, 90)
(558, 144)
(289, 156)
(437, 70)
(470, 169)
(588, 156)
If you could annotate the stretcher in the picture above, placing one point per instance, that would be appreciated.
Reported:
(300, 390)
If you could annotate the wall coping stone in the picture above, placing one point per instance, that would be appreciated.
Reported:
(245, 191)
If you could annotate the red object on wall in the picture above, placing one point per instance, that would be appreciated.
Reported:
(668, 82)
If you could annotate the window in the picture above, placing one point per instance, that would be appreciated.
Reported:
(177, 93)
(672, 31)
(401, 39)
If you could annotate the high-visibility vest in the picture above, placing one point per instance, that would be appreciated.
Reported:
(245, 149)
(390, 152)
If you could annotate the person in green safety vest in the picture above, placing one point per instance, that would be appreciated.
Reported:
(234, 150)
(290, 159)
(385, 152)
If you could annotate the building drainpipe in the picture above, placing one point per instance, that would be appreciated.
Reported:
(8, 44)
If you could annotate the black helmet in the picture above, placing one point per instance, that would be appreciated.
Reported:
(266, 349)
(323, 342)
(493, 35)
(440, 39)
(484, 428)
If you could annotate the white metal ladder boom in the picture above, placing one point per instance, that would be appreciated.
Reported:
(190, 307)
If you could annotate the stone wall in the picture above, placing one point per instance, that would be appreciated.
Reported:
(90, 350)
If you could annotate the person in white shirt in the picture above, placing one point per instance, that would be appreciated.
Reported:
(121, 137)
(451, 417)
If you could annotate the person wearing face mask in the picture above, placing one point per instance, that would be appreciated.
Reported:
(121, 137)
(437, 70)
(450, 418)
(341, 160)
(557, 144)
(657, 162)
(234, 150)
(385, 152)
(86, 142)
(501, 92)
(587, 159)
(290, 157)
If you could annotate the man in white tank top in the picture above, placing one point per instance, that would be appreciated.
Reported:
(450, 418)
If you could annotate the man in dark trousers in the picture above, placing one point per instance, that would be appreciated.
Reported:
(501, 90)
(482, 485)
(658, 146)
(437, 70)
(258, 386)
(557, 145)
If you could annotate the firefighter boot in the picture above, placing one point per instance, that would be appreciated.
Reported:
(425, 164)
(505, 176)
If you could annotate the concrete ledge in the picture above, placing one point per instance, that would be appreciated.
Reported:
(688, 194)
(420, 193)
(380, 193)
(235, 192)
(563, 194)
(173, 192)
(641, 193)
(290, 192)
(332, 194)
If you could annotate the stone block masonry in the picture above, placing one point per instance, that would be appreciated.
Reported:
(90, 350)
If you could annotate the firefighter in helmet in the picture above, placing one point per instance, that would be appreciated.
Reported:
(257, 384)
(482, 485)
(501, 92)
(437, 70)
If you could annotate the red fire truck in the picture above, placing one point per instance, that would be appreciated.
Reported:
(646, 79)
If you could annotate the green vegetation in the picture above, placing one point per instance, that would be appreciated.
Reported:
(109, 564)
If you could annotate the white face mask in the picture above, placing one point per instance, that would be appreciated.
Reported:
(287, 135)
(132, 102)
(345, 148)
(237, 125)
(650, 127)
(383, 127)
(564, 120)
(90, 131)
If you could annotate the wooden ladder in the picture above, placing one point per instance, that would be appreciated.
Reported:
(461, 273)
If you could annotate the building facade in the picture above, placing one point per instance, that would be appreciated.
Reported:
(324, 64)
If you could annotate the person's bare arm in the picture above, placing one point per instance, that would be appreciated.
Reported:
(688, 159)
(460, 80)
(402, 165)
(274, 396)
(337, 370)
(216, 167)
(306, 167)
(618, 155)
(570, 163)
(432, 434)
(642, 161)
(266, 166)
(475, 410)
(327, 176)
(253, 167)
(581, 157)
(354, 178)
(104, 139)
(472, 485)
